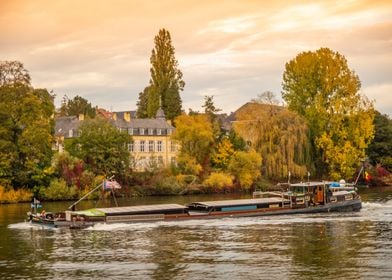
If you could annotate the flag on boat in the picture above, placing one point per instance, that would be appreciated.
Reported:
(111, 185)
(36, 203)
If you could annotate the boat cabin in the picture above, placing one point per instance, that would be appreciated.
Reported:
(236, 205)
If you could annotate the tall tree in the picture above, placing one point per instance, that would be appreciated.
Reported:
(13, 72)
(142, 104)
(26, 134)
(75, 106)
(380, 149)
(102, 147)
(320, 86)
(166, 80)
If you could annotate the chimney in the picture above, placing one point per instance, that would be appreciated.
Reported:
(127, 116)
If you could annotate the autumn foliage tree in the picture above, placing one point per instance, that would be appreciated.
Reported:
(278, 135)
(245, 166)
(195, 136)
(325, 91)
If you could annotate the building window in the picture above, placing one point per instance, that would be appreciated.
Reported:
(130, 131)
(159, 131)
(70, 133)
(159, 146)
(150, 131)
(151, 146)
(172, 146)
(142, 142)
(169, 131)
(142, 131)
(130, 147)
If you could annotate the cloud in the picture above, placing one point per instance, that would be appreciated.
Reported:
(382, 95)
(231, 50)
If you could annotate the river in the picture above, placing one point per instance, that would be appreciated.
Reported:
(322, 246)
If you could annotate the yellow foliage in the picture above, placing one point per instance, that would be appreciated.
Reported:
(245, 166)
(223, 153)
(13, 196)
(196, 137)
(218, 180)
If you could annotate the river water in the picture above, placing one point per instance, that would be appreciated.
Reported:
(323, 246)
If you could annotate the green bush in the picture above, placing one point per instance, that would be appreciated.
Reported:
(167, 186)
(58, 190)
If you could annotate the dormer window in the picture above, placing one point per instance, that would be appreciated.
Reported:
(159, 131)
(142, 131)
(150, 131)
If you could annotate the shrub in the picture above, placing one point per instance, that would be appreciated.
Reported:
(167, 186)
(218, 180)
(58, 190)
(12, 196)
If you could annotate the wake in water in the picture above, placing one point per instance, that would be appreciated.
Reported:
(371, 211)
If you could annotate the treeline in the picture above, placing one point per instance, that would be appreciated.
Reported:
(325, 128)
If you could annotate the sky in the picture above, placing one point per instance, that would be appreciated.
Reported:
(233, 50)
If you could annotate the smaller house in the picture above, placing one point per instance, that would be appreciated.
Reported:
(66, 127)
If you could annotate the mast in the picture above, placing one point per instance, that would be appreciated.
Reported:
(73, 206)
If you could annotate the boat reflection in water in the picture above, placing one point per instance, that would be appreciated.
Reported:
(300, 198)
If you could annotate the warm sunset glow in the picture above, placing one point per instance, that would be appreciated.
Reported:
(233, 50)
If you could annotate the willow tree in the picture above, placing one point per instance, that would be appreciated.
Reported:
(278, 135)
(165, 82)
(320, 87)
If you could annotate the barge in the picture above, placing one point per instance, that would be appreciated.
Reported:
(301, 198)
